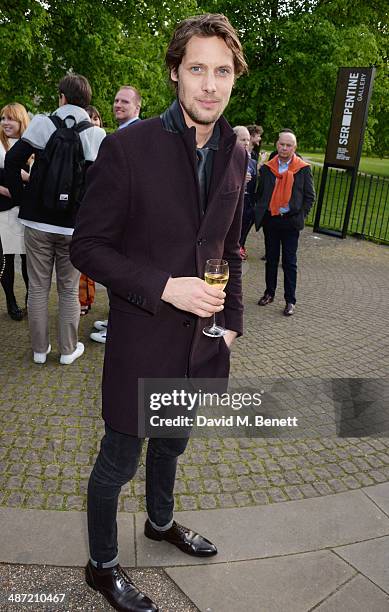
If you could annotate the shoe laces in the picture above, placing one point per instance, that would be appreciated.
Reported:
(124, 580)
(181, 528)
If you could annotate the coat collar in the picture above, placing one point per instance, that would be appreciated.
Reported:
(173, 121)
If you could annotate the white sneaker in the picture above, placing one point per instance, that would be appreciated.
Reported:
(68, 359)
(41, 357)
(101, 325)
(100, 336)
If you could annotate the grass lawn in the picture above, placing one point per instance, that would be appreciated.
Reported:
(369, 165)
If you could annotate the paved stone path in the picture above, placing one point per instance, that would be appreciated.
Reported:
(327, 553)
(50, 415)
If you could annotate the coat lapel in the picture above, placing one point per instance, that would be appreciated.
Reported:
(221, 161)
(189, 140)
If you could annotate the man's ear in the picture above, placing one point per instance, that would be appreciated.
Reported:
(62, 99)
(174, 75)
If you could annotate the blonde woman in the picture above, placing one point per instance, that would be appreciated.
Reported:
(13, 122)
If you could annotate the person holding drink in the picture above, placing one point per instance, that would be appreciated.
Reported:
(149, 246)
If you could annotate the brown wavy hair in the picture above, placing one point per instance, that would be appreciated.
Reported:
(76, 89)
(17, 112)
(210, 24)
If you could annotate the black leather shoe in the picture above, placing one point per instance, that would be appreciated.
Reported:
(289, 309)
(114, 584)
(185, 539)
(266, 299)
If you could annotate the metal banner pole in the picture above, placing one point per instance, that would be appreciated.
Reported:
(344, 145)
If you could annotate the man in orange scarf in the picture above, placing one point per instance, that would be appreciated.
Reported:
(285, 196)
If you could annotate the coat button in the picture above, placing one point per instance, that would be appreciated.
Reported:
(201, 241)
(186, 323)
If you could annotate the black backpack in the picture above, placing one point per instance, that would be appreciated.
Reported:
(61, 166)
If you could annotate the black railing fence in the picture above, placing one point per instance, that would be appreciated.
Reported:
(370, 209)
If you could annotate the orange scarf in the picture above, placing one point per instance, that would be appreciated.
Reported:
(282, 191)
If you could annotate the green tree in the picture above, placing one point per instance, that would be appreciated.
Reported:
(294, 49)
(24, 54)
(111, 43)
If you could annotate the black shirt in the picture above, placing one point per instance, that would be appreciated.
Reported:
(173, 119)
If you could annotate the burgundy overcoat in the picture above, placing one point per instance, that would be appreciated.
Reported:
(140, 223)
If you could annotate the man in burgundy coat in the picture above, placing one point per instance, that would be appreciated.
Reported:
(146, 236)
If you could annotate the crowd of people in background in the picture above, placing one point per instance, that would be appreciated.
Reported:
(14, 120)
(48, 224)
(77, 294)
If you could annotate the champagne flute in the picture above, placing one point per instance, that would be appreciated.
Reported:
(216, 275)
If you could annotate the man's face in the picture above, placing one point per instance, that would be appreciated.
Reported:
(243, 138)
(205, 78)
(124, 106)
(286, 146)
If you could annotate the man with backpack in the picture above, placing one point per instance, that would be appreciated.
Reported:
(63, 145)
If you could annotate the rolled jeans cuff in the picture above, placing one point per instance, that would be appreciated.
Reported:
(105, 565)
(159, 528)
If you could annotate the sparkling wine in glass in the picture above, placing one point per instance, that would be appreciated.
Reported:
(216, 275)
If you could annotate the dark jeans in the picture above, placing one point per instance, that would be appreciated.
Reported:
(279, 231)
(115, 465)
